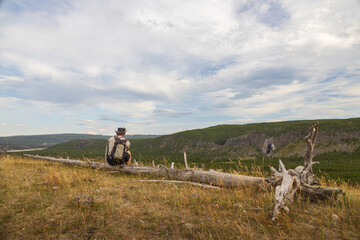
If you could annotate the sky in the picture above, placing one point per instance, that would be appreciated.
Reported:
(159, 67)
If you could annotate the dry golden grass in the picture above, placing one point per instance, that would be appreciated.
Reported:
(44, 200)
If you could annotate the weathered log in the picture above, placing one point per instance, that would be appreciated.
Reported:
(287, 183)
(315, 194)
(213, 178)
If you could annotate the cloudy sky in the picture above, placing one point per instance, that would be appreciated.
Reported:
(158, 67)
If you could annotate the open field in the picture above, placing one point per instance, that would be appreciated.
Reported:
(42, 200)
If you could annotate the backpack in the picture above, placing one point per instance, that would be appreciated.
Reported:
(117, 153)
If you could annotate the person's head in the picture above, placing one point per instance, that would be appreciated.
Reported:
(121, 131)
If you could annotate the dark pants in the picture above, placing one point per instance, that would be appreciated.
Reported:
(113, 162)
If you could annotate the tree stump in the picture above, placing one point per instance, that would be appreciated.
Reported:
(300, 181)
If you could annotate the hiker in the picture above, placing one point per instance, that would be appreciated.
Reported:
(118, 152)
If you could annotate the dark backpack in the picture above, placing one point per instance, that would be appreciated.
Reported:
(117, 153)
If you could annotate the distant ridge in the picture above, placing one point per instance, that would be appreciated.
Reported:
(47, 140)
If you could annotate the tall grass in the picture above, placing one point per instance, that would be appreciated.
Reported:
(42, 200)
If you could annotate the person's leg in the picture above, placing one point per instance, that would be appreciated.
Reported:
(127, 158)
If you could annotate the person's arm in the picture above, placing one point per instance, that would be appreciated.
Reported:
(111, 142)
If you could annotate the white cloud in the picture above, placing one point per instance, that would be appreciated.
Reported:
(10, 80)
(142, 61)
(86, 122)
(8, 102)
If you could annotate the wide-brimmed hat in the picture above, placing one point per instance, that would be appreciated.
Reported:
(121, 130)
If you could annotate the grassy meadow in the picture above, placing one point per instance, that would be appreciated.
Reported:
(44, 200)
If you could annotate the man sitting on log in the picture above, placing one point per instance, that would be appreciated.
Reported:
(118, 152)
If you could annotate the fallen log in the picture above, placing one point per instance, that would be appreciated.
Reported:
(212, 177)
(315, 194)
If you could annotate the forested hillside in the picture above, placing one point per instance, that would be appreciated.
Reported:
(250, 140)
(241, 147)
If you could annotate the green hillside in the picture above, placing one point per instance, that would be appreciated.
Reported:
(240, 147)
(243, 141)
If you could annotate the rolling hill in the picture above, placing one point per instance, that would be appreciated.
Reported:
(250, 140)
(241, 147)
